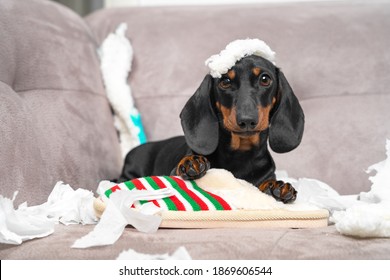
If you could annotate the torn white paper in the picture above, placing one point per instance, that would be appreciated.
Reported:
(66, 205)
(370, 215)
(63, 205)
(317, 193)
(364, 220)
(18, 226)
(180, 254)
(118, 214)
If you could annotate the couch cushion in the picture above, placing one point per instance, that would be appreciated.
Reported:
(208, 244)
(56, 122)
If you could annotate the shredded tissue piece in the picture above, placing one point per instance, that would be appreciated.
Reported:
(64, 205)
(118, 214)
(369, 216)
(180, 254)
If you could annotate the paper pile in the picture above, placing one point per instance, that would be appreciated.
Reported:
(64, 205)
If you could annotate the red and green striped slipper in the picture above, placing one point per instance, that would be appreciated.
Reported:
(193, 207)
(188, 196)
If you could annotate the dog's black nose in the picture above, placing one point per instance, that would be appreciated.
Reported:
(247, 122)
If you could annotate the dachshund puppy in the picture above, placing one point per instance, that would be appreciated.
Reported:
(227, 124)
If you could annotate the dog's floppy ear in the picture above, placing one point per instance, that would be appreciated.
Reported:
(199, 122)
(287, 122)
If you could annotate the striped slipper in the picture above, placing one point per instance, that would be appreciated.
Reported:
(206, 203)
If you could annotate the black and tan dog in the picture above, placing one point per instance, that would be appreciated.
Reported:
(227, 124)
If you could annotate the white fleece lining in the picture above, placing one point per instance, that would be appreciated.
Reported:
(220, 64)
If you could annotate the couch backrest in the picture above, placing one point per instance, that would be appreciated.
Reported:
(55, 120)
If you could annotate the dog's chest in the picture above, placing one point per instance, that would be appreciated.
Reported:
(244, 144)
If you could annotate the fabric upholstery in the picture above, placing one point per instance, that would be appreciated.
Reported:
(56, 122)
(209, 244)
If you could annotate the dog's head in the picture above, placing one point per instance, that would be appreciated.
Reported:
(252, 97)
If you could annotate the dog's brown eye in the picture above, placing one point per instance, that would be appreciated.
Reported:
(225, 83)
(265, 80)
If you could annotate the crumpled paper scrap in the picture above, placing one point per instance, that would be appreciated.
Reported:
(370, 215)
(364, 220)
(118, 214)
(318, 193)
(181, 253)
(18, 226)
(64, 205)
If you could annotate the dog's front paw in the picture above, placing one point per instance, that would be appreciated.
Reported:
(280, 190)
(192, 167)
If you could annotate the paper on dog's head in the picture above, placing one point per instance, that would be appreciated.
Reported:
(220, 64)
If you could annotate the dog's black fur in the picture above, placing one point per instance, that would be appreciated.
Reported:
(227, 122)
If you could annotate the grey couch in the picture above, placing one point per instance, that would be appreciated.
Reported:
(56, 123)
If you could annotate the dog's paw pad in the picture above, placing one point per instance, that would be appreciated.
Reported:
(280, 190)
(192, 167)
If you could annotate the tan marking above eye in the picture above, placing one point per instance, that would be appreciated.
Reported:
(231, 74)
(256, 71)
